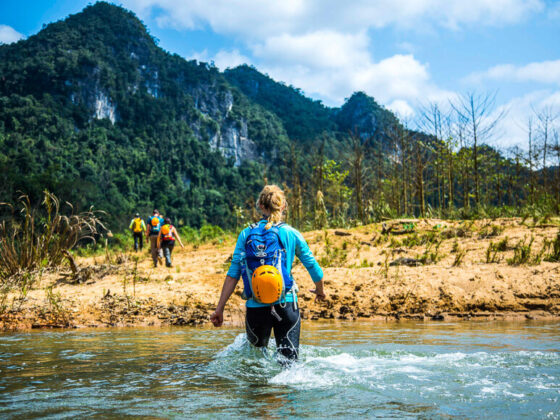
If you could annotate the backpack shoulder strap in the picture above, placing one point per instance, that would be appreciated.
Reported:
(275, 229)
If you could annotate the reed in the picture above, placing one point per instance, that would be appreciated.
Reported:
(36, 238)
(459, 255)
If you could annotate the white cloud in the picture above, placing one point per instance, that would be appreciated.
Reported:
(513, 129)
(254, 19)
(547, 72)
(402, 109)
(222, 59)
(9, 35)
(330, 66)
(399, 80)
(322, 49)
(229, 59)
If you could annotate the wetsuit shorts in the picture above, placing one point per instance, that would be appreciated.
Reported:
(286, 323)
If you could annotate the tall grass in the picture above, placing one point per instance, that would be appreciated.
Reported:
(35, 238)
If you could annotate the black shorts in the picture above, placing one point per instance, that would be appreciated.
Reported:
(286, 323)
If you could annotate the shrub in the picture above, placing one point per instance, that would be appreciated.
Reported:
(490, 231)
(210, 233)
(492, 253)
(554, 255)
(522, 252)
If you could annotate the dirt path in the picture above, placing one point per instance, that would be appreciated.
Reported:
(453, 279)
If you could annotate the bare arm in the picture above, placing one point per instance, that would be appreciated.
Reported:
(319, 292)
(159, 239)
(178, 237)
(217, 317)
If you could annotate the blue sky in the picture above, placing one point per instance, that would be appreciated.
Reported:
(404, 53)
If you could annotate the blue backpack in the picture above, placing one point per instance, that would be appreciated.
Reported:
(263, 247)
(156, 228)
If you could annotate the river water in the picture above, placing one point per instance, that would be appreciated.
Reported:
(349, 370)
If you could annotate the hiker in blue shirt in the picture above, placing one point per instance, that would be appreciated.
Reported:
(282, 314)
(154, 223)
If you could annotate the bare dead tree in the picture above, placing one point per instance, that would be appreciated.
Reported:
(450, 147)
(358, 146)
(556, 150)
(530, 160)
(478, 110)
(431, 122)
(545, 117)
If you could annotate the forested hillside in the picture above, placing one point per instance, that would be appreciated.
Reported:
(94, 111)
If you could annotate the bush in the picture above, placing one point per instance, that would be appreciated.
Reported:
(522, 252)
(211, 232)
(206, 233)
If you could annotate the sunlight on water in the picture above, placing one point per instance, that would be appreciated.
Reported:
(350, 370)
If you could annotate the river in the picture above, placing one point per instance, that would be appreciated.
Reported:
(349, 370)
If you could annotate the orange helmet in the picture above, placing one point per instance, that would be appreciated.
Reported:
(165, 229)
(155, 221)
(267, 284)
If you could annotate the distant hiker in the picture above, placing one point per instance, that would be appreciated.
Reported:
(166, 240)
(263, 256)
(138, 227)
(154, 225)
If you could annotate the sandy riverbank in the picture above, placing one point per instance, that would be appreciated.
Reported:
(454, 279)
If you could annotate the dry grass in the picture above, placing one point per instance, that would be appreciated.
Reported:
(32, 239)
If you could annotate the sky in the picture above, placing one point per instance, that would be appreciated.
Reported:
(404, 53)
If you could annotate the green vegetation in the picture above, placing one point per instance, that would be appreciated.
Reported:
(522, 252)
(94, 111)
(459, 255)
(431, 254)
(333, 256)
(554, 255)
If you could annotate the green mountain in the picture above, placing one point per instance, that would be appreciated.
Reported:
(93, 110)
(305, 120)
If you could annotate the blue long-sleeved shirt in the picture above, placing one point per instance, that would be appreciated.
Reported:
(294, 244)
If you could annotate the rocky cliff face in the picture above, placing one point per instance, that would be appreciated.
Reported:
(227, 135)
(233, 142)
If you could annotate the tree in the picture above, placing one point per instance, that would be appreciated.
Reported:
(358, 147)
(481, 120)
(545, 117)
(556, 150)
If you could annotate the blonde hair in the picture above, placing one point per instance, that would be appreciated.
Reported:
(273, 200)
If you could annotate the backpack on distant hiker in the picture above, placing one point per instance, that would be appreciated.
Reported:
(155, 223)
(137, 225)
(265, 262)
(167, 233)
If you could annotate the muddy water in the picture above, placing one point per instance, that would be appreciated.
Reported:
(403, 370)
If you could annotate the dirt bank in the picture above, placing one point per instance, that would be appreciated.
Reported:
(429, 269)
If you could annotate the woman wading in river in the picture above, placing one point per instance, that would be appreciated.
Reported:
(263, 257)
